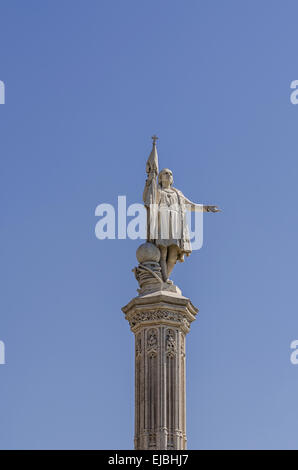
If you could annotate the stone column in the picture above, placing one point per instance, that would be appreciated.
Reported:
(160, 321)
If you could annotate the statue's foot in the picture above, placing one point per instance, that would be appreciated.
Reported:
(168, 281)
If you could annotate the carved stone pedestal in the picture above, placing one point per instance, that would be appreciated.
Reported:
(160, 321)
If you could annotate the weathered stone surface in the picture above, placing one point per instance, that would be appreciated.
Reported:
(149, 273)
(160, 322)
(148, 252)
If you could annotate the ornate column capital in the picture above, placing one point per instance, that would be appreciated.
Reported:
(160, 308)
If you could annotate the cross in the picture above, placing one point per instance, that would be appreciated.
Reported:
(154, 138)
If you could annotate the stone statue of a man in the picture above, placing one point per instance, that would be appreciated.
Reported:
(166, 215)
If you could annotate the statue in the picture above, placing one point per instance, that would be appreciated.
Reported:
(166, 215)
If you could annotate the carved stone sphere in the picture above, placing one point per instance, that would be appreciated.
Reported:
(148, 252)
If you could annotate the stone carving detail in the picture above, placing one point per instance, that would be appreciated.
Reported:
(182, 347)
(148, 275)
(150, 315)
(138, 347)
(171, 346)
(152, 344)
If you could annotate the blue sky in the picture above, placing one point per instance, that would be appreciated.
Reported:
(87, 84)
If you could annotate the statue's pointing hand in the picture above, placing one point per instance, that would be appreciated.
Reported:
(212, 209)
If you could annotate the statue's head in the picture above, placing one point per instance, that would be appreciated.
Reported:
(165, 176)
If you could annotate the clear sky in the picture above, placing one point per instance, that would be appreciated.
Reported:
(87, 84)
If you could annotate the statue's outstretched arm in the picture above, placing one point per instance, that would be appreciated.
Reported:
(192, 206)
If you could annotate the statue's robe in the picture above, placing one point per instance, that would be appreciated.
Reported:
(166, 222)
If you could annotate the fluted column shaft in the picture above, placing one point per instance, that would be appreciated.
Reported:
(160, 322)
